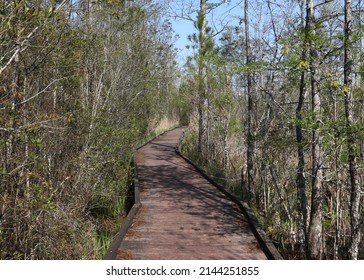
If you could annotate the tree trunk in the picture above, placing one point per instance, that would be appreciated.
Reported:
(202, 72)
(300, 175)
(315, 233)
(338, 232)
(249, 124)
(349, 115)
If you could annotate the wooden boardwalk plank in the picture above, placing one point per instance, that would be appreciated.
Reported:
(183, 216)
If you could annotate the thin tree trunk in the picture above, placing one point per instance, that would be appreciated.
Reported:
(338, 234)
(349, 114)
(249, 125)
(300, 176)
(202, 72)
(359, 79)
(263, 188)
(315, 234)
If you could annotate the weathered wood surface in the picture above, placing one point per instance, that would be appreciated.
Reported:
(182, 215)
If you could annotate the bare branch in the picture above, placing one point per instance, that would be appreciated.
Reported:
(43, 90)
(19, 49)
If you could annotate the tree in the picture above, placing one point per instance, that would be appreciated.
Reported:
(315, 233)
(300, 175)
(250, 113)
(349, 118)
(203, 83)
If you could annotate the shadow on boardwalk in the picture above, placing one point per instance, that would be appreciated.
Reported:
(183, 216)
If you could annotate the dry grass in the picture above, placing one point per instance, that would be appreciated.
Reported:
(165, 124)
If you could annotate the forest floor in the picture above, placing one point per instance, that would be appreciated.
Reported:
(183, 216)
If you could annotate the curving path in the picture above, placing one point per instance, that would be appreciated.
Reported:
(182, 215)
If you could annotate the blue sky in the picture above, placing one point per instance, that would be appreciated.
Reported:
(220, 16)
(183, 28)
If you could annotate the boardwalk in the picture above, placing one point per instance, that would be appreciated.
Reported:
(182, 215)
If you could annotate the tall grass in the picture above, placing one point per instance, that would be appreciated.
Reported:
(103, 241)
(165, 124)
(105, 236)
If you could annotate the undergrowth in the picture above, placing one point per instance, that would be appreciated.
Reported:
(112, 215)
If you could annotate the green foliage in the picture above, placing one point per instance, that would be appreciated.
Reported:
(200, 18)
(182, 101)
(234, 127)
(89, 89)
(252, 67)
(307, 121)
(362, 71)
(103, 241)
(189, 144)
